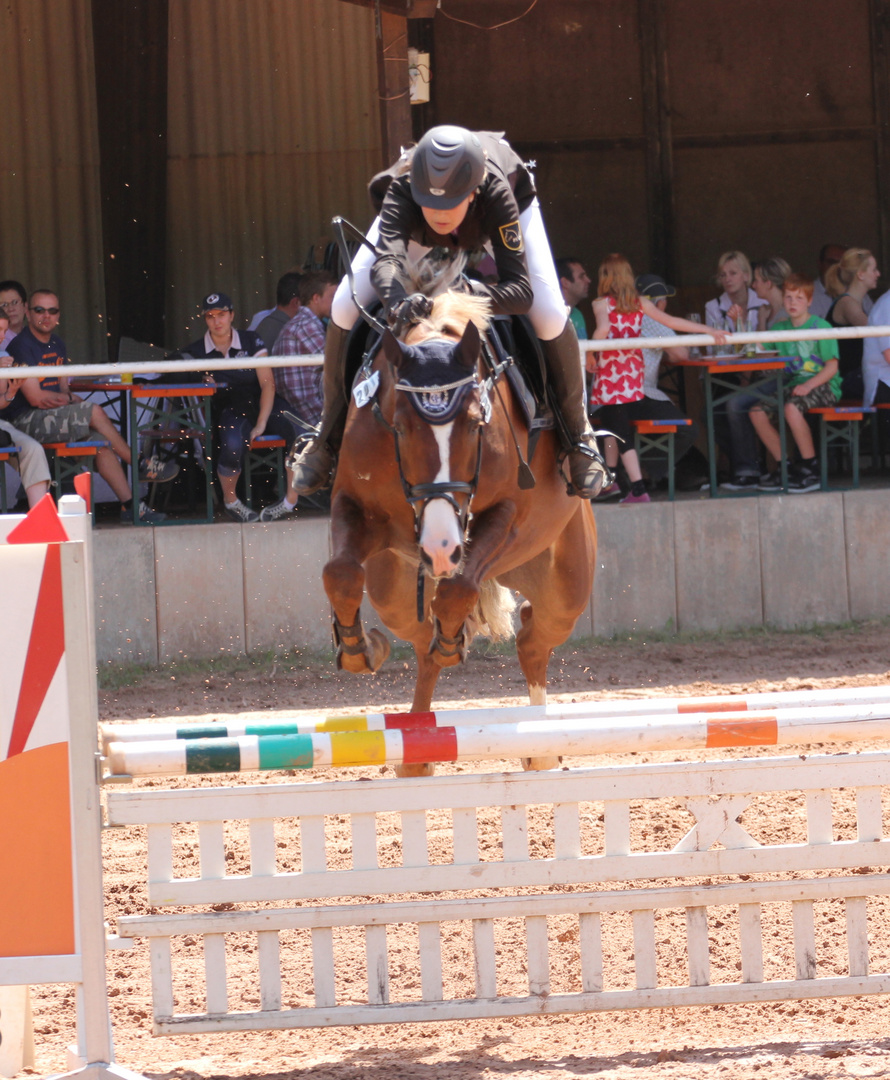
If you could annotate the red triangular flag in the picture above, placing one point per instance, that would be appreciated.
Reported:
(41, 526)
(83, 485)
(46, 646)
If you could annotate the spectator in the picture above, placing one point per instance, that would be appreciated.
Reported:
(575, 285)
(31, 460)
(301, 386)
(247, 407)
(813, 380)
(876, 365)
(49, 412)
(287, 297)
(849, 282)
(769, 280)
(738, 303)
(658, 405)
(618, 375)
(14, 301)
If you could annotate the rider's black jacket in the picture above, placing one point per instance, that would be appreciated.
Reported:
(493, 215)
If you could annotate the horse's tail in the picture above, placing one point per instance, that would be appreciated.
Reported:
(493, 614)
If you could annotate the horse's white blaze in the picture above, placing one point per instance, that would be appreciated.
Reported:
(440, 535)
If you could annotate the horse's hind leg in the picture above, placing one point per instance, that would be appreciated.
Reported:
(344, 581)
(557, 584)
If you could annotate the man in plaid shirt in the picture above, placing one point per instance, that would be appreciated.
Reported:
(304, 335)
(301, 387)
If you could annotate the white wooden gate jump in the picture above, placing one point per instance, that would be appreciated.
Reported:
(542, 866)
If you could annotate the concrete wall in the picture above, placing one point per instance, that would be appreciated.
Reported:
(780, 561)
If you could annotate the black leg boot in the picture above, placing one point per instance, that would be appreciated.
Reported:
(312, 462)
(587, 469)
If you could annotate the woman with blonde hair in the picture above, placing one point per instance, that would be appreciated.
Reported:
(849, 282)
(738, 301)
(618, 374)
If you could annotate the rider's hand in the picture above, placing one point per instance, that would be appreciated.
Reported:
(409, 311)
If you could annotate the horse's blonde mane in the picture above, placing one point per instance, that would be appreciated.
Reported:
(452, 310)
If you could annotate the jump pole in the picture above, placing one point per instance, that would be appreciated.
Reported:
(412, 745)
(559, 712)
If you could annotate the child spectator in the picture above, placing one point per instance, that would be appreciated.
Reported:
(618, 375)
(813, 380)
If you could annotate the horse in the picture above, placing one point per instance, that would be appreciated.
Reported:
(430, 515)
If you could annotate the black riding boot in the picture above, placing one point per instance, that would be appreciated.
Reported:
(587, 469)
(313, 461)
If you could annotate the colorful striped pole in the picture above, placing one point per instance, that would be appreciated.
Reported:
(558, 712)
(537, 738)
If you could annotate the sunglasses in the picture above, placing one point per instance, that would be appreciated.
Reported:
(45, 310)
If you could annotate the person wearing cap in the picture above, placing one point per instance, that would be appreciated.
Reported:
(248, 405)
(658, 404)
(459, 190)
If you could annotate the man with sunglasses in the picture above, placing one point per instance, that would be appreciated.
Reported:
(46, 409)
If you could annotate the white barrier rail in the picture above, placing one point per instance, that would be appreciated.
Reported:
(80, 371)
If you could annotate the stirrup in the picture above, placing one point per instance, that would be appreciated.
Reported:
(590, 451)
(301, 444)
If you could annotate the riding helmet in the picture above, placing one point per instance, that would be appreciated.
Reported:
(448, 165)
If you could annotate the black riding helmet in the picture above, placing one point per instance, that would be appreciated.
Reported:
(447, 166)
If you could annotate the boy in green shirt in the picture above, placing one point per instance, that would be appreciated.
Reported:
(811, 379)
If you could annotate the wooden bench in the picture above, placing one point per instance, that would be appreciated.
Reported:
(655, 437)
(264, 457)
(839, 427)
(67, 459)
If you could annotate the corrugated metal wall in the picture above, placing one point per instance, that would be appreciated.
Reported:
(50, 221)
(273, 129)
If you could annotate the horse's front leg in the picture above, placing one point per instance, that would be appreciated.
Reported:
(456, 597)
(354, 538)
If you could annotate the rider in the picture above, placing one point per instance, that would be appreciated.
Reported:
(457, 189)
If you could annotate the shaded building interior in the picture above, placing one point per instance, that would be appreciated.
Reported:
(171, 147)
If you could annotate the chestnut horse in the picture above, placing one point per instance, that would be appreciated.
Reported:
(427, 513)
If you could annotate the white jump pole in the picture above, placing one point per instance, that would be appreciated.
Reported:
(536, 738)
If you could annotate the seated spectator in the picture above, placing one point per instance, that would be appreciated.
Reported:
(14, 301)
(617, 393)
(769, 280)
(849, 282)
(287, 298)
(736, 308)
(247, 407)
(829, 255)
(658, 406)
(812, 381)
(30, 462)
(574, 283)
(48, 411)
(876, 365)
(301, 387)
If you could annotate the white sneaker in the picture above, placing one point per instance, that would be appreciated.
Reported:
(277, 511)
(238, 511)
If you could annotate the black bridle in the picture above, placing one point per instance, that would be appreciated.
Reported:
(419, 496)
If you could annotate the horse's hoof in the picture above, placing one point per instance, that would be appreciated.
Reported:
(367, 660)
(417, 769)
(537, 764)
(378, 648)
